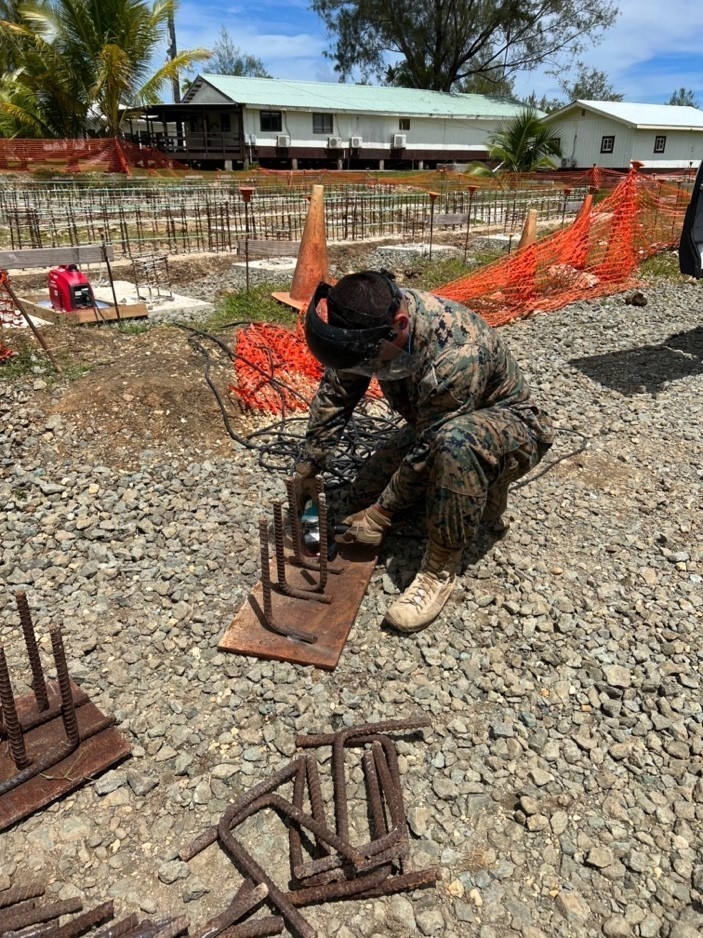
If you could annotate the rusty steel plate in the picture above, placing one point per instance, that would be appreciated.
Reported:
(92, 757)
(248, 635)
(28, 714)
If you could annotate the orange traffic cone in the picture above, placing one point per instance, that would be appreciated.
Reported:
(312, 265)
(529, 229)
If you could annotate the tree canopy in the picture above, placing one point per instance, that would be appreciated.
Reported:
(588, 84)
(524, 144)
(228, 59)
(78, 63)
(448, 41)
(683, 97)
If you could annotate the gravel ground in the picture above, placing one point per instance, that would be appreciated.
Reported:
(560, 788)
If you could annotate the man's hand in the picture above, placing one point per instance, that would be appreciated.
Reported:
(366, 527)
(304, 485)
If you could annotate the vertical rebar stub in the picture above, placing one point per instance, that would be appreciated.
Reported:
(68, 710)
(30, 640)
(11, 720)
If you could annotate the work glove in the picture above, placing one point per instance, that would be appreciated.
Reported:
(366, 527)
(304, 485)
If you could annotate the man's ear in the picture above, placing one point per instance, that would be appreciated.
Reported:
(401, 320)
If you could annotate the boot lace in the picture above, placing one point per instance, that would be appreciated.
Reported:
(420, 590)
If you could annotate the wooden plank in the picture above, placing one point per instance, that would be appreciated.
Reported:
(269, 248)
(456, 218)
(79, 317)
(248, 635)
(51, 257)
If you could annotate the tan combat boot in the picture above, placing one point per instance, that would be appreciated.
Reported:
(426, 596)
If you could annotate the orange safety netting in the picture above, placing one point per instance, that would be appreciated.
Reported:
(275, 371)
(108, 155)
(595, 256)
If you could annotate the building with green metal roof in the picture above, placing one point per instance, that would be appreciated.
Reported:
(230, 121)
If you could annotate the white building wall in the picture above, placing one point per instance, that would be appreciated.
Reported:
(680, 145)
(376, 130)
(582, 137)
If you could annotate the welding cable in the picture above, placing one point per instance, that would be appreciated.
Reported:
(280, 446)
(546, 467)
(277, 443)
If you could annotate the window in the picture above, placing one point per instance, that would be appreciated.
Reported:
(659, 144)
(225, 125)
(607, 144)
(271, 121)
(322, 123)
(404, 123)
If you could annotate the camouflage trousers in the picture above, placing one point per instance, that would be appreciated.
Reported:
(461, 466)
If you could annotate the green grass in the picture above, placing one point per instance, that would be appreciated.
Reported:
(29, 360)
(26, 360)
(133, 328)
(664, 265)
(256, 306)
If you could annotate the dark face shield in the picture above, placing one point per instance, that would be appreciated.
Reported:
(364, 351)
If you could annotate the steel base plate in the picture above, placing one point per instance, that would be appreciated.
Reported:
(92, 757)
(248, 635)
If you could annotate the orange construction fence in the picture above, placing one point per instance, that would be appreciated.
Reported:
(101, 155)
(596, 255)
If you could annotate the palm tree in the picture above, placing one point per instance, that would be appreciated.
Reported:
(524, 145)
(87, 60)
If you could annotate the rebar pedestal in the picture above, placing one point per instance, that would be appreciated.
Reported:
(51, 740)
(330, 623)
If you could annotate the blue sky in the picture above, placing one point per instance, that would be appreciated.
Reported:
(654, 48)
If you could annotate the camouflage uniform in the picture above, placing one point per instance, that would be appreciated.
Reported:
(469, 422)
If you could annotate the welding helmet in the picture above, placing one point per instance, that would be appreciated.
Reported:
(353, 340)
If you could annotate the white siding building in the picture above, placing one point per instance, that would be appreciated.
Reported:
(231, 120)
(613, 133)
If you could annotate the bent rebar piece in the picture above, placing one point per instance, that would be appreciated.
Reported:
(118, 929)
(245, 861)
(44, 913)
(313, 592)
(256, 928)
(30, 890)
(387, 887)
(274, 781)
(266, 590)
(84, 923)
(245, 899)
(391, 846)
(296, 536)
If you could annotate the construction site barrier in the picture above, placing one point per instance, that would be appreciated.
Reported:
(595, 256)
(104, 155)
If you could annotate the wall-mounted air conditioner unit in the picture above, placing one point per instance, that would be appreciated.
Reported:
(355, 143)
(282, 140)
(334, 143)
(398, 141)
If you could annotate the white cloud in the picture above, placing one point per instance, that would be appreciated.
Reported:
(653, 49)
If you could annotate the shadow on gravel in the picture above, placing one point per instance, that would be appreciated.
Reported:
(648, 368)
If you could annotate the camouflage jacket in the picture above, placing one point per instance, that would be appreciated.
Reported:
(465, 366)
